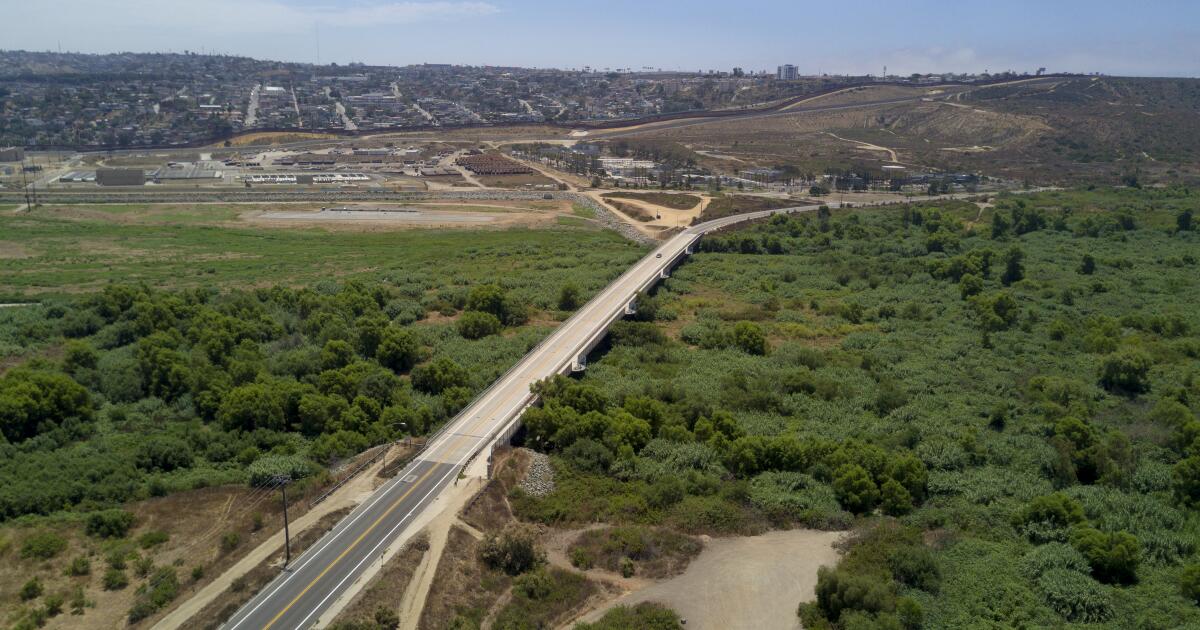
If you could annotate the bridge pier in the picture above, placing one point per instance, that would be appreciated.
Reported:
(631, 308)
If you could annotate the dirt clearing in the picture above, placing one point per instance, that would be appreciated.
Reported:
(751, 583)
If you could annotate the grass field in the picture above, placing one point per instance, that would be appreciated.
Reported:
(175, 246)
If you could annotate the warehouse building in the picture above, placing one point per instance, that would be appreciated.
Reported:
(120, 177)
(12, 154)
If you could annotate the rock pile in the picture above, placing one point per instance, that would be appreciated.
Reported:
(539, 480)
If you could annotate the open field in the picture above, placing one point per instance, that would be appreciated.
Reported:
(674, 201)
(79, 248)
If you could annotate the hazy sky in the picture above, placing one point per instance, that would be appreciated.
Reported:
(1148, 37)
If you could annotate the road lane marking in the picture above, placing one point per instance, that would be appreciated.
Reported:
(326, 540)
(350, 547)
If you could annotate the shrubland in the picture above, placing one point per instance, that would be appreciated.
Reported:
(1008, 429)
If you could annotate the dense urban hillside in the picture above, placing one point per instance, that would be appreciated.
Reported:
(1000, 400)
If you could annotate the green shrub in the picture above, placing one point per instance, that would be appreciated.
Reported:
(153, 539)
(230, 541)
(43, 545)
(915, 567)
(644, 616)
(114, 579)
(513, 551)
(1075, 596)
(839, 591)
(855, 489)
(109, 523)
(32, 589)
(1047, 518)
(1189, 583)
(1114, 557)
(79, 566)
(477, 325)
(1126, 372)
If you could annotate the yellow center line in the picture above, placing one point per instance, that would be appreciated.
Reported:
(358, 540)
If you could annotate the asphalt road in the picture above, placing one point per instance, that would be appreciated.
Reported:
(297, 597)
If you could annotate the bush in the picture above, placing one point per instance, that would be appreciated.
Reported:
(439, 374)
(1114, 557)
(163, 454)
(1047, 518)
(915, 567)
(153, 539)
(513, 551)
(896, 501)
(78, 567)
(230, 541)
(43, 545)
(1185, 479)
(855, 489)
(109, 523)
(1189, 583)
(1075, 596)
(749, 338)
(839, 591)
(644, 616)
(160, 590)
(114, 579)
(477, 325)
(386, 618)
(1126, 372)
(32, 589)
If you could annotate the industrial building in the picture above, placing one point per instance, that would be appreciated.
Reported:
(120, 177)
(12, 154)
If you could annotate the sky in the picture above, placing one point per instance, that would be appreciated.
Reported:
(1146, 38)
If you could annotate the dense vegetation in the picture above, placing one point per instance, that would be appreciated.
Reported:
(134, 392)
(1001, 401)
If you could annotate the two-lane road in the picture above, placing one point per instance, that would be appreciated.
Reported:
(298, 596)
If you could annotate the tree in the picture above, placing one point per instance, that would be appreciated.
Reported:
(1088, 266)
(1189, 583)
(35, 401)
(1114, 557)
(336, 354)
(1047, 517)
(477, 325)
(250, 407)
(839, 591)
(896, 500)
(569, 297)
(1014, 267)
(1186, 481)
(1183, 221)
(397, 349)
(488, 298)
(970, 284)
(749, 338)
(438, 375)
(1126, 371)
(163, 454)
(854, 488)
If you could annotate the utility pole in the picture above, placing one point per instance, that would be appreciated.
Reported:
(25, 186)
(283, 481)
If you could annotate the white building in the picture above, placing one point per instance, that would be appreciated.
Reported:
(787, 72)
